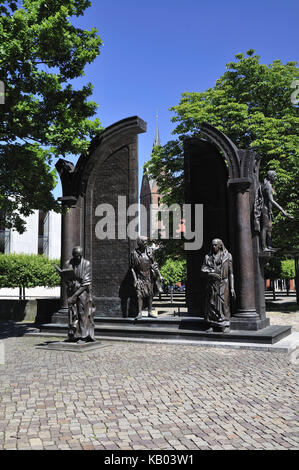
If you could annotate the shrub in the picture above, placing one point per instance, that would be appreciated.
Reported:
(21, 270)
(173, 271)
(288, 269)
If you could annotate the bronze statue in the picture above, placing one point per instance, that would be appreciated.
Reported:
(218, 267)
(80, 305)
(146, 276)
(127, 294)
(263, 217)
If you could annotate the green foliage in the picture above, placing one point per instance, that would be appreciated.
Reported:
(251, 104)
(43, 117)
(280, 269)
(288, 269)
(273, 269)
(172, 248)
(173, 271)
(18, 270)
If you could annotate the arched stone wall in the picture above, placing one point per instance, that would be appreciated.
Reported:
(243, 168)
(112, 171)
(108, 170)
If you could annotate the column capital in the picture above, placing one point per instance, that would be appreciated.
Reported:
(240, 184)
(68, 201)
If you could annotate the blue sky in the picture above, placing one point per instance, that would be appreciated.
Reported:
(154, 51)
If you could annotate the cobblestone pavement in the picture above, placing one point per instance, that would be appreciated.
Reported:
(289, 319)
(135, 396)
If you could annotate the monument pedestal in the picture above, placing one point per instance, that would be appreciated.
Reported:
(247, 324)
(183, 329)
(61, 316)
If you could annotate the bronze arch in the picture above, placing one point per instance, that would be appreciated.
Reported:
(230, 151)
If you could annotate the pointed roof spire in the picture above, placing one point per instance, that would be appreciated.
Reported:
(157, 135)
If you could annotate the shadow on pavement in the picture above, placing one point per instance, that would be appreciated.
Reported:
(282, 307)
(11, 329)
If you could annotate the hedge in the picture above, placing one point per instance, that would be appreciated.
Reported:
(21, 270)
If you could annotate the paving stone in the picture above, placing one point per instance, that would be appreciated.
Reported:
(165, 396)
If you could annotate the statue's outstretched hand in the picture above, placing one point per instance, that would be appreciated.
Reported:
(287, 215)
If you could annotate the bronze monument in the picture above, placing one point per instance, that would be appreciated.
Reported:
(218, 267)
(146, 276)
(263, 217)
(77, 276)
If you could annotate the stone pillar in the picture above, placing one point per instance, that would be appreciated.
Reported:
(245, 285)
(67, 243)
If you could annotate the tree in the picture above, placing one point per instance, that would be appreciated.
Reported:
(173, 271)
(287, 269)
(21, 270)
(250, 103)
(273, 269)
(43, 117)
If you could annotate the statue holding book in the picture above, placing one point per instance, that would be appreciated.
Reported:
(77, 276)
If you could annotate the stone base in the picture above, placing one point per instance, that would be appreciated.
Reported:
(248, 324)
(174, 328)
(107, 306)
(61, 316)
(104, 307)
(69, 346)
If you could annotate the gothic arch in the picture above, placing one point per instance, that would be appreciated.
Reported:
(230, 151)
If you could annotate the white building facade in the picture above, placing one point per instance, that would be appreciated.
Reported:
(42, 236)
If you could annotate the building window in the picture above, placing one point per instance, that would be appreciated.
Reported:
(43, 232)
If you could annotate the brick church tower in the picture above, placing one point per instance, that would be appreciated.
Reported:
(149, 193)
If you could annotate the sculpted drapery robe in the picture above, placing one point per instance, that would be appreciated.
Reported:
(141, 263)
(217, 306)
(81, 322)
(147, 273)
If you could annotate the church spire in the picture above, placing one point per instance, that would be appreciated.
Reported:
(157, 135)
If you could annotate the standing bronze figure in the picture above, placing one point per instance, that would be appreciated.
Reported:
(146, 276)
(80, 305)
(263, 217)
(218, 267)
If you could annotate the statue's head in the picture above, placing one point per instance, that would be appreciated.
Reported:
(77, 253)
(217, 245)
(271, 175)
(141, 243)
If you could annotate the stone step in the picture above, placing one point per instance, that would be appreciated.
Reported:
(189, 329)
(159, 322)
(169, 304)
